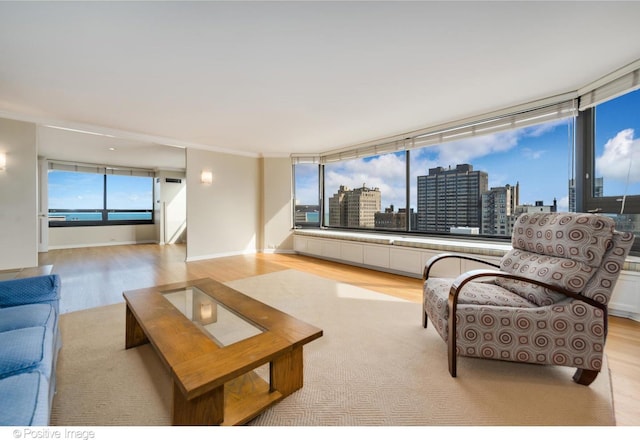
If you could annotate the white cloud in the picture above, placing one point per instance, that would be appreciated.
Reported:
(532, 154)
(464, 151)
(542, 129)
(620, 158)
(373, 173)
(563, 204)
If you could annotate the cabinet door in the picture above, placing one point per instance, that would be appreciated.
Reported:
(405, 260)
(467, 265)
(446, 268)
(625, 300)
(377, 256)
(331, 249)
(352, 252)
(314, 246)
(299, 244)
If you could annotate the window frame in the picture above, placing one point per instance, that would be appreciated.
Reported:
(104, 212)
(307, 225)
(583, 168)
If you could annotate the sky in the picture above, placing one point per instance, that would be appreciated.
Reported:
(71, 190)
(538, 158)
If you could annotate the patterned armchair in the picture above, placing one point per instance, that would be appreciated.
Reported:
(545, 303)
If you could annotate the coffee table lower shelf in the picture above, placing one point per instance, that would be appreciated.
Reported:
(246, 397)
(241, 398)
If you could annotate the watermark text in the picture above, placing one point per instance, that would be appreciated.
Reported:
(53, 433)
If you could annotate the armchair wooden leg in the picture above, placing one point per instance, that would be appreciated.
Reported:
(451, 341)
(451, 347)
(424, 319)
(585, 377)
(453, 361)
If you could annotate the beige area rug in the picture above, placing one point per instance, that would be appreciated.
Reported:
(374, 365)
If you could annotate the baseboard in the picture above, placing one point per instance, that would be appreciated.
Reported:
(624, 314)
(220, 255)
(110, 243)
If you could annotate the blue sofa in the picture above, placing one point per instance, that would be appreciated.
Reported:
(29, 344)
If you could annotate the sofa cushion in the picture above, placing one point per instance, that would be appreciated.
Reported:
(30, 315)
(26, 349)
(24, 400)
(40, 289)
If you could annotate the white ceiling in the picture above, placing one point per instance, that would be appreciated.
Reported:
(274, 78)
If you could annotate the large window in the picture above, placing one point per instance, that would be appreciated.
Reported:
(90, 198)
(475, 177)
(367, 193)
(611, 174)
(617, 146)
(481, 184)
(470, 180)
(306, 195)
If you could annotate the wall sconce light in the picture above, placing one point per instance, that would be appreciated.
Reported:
(3, 161)
(206, 177)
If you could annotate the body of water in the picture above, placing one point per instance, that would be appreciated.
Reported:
(97, 216)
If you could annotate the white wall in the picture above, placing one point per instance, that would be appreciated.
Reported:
(277, 209)
(88, 236)
(171, 207)
(223, 217)
(18, 195)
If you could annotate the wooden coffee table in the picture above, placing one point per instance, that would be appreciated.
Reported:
(212, 338)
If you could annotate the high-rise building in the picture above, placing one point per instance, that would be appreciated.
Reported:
(390, 219)
(354, 208)
(307, 215)
(450, 198)
(538, 207)
(498, 206)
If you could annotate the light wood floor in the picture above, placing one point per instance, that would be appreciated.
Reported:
(94, 277)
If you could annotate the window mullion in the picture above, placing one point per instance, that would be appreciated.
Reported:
(105, 216)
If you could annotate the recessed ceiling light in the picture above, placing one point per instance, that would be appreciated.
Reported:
(112, 148)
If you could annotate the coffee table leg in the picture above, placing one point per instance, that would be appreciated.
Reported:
(286, 372)
(207, 409)
(134, 335)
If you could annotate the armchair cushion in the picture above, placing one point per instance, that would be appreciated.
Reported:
(571, 334)
(436, 295)
(563, 251)
(559, 272)
(581, 237)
